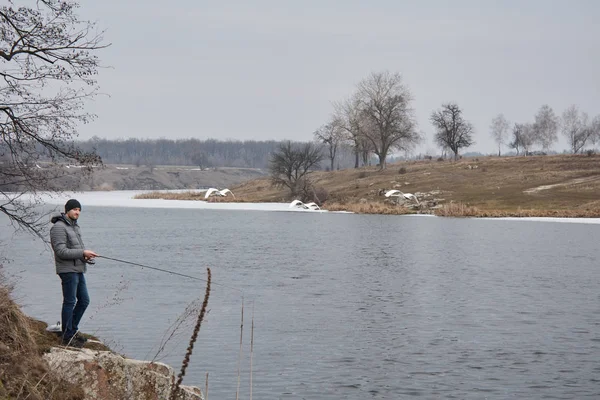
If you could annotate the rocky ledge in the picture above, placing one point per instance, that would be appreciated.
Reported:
(107, 376)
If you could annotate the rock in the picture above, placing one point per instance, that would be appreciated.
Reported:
(397, 186)
(109, 376)
(363, 201)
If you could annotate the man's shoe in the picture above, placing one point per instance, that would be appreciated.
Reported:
(72, 342)
(80, 337)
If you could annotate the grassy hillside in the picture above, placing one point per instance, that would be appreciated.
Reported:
(566, 185)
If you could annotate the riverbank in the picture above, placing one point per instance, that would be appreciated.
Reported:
(34, 365)
(566, 186)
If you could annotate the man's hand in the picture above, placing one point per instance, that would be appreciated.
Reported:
(89, 255)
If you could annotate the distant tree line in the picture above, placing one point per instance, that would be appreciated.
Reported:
(210, 153)
(378, 119)
(576, 126)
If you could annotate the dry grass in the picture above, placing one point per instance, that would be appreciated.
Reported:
(463, 210)
(369, 208)
(457, 210)
(191, 195)
(23, 372)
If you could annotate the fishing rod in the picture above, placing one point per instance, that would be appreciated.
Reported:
(167, 271)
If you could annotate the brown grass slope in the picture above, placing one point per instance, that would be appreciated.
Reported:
(562, 185)
(23, 372)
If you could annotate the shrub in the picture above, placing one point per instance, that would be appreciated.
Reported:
(362, 174)
(320, 195)
(402, 170)
(440, 159)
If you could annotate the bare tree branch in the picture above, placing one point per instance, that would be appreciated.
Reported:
(48, 74)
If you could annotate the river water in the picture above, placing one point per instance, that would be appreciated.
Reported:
(344, 306)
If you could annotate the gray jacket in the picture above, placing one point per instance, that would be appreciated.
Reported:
(65, 237)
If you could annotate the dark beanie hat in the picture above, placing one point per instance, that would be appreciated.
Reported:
(71, 204)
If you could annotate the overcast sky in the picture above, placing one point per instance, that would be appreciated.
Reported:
(271, 69)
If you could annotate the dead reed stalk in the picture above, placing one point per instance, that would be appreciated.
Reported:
(251, 349)
(237, 392)
(206, 388)
(188, 354)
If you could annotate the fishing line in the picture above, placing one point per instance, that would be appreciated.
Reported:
(170, 272)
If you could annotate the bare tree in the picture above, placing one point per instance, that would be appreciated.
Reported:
(499, 129)
(331, 135)
(595, 138)
(546, 127)
(523, 137)
(348, 118)
(516, 142)
(528, 137)
(389, 121)
(48, 74)
(452, 129)
(290, 164)
(576, 128)
(366, 150)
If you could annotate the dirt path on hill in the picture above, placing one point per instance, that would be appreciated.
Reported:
(570, 182)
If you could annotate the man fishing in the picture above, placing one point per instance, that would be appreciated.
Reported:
(71, 259)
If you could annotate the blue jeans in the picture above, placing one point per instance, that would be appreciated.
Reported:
(75, 301)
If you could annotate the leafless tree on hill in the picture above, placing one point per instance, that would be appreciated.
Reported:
(348, 118)
(516, 141)
(384, 104)
(499, 129)
(290, 165)
(546, 127)
(528, 137)
(595, 138)
(452, 129)
(331, 135)
(576, 128)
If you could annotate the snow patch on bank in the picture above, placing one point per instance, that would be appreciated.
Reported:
(125, 198)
